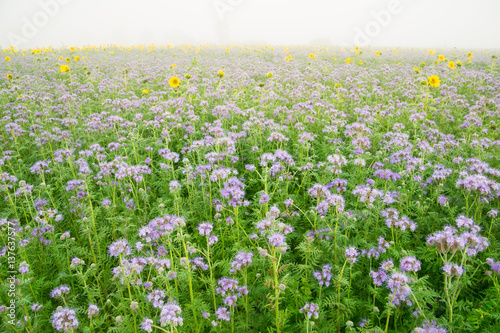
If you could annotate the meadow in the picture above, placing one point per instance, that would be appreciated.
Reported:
(249, 188)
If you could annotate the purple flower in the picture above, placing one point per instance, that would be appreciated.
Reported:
(223, 314)
(324, 276)
(495, 266)
(264, 198)
(205, 228)
(351, 254)
(452, 269)
(276, 240)
(310, 309)
(64, 319)
(171, 315)
(241, 259)
(60, 291)
(442, 200)
(409, 264)
(92, 310)
(146, 325)
(24, 268)
(119, 247)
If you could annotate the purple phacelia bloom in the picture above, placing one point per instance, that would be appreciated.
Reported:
(222, 314)
(324, 276)
(276, 240)
(310, 310)
(409, 264)
(64, 319)
(205, 228)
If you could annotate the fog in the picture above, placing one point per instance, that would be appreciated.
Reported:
(405, 23)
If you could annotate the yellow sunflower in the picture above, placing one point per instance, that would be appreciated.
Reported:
(145, 92)
(174, 81)
(441, 57)
(7, 58)
(221, 74)
(451, 64)
(433, 81)
(312, 56)
(416, 69)
(64, 68)
(9, 76)
(348, 60)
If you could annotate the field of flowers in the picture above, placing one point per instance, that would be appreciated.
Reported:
(259, 189)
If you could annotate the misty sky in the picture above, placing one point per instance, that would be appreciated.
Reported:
(408, 23)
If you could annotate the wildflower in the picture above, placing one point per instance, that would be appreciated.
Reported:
(24, 268)
(351, 254)
(144, 91)
(495, 266)
(59, 291)
(64, 319)
(171, 315)
(174, 82)
(312, 56)
(64, 68)
(119, 247)
(241, 260)
(7, 58)
(276, 240)
(451, 64)
(205, 229)
(452, 269)
(416, 70)
(221, 74)
(433, 81)
(146, 325)
(442, 200)
(409, 264)
(324, 276)
(441, 57)
(310, 309)
(223, 314)
(92, 311)
(348, 60)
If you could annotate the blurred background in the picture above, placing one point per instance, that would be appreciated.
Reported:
(405, 23)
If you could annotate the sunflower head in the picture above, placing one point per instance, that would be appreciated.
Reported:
(9, 76)
(378, 53)
(416, 70)
(221, 74)
(7, 58)
(64, 68)
(433, 81)
(77, 58)
(173, 66)
(451, 64)
(356, 48)
(174, 82)
(312, 56)
(270, 75)
(469, 54)
(348, 60)
(145, 92)
(441, 57)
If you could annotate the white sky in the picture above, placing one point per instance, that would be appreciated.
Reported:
(409, 23)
